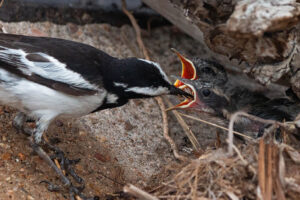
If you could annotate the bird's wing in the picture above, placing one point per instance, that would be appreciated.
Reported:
(51, 62)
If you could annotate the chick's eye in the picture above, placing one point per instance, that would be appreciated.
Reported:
(206, 92)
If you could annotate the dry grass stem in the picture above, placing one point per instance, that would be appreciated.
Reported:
(186, 128)
(234, 118)
(269, 177)
(217, 126)
(261, 167)
(246, 163)
(166, 131)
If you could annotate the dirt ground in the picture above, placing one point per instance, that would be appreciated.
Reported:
(117, 146)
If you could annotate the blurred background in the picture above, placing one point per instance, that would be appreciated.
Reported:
(77, 11)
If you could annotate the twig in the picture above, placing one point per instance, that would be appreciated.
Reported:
(137, 30)
(131, 189)
(230, 133)
(269, 177)
(186, 128)
(261, 167)
(158, 99)
(216, 125)
(166, 131)
(243, 159)
(279, 192)
(252, 117)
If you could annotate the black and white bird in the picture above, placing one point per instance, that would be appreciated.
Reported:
(215, 93)
(45, 78)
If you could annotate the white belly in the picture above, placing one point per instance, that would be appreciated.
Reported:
(37, 100)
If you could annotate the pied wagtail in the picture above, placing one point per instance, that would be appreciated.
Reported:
(45, 78)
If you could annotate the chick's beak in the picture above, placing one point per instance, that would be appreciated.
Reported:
(194, 103)
(188, 69)
(188, 72)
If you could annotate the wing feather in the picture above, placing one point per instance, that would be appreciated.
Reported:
(45, 69)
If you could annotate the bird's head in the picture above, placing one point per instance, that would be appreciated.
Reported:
(201, 69)
(138, 78)
(205, 80)
(207, 97)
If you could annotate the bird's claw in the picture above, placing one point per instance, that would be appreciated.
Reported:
(51, 187)
(75, 192)
(66, 164)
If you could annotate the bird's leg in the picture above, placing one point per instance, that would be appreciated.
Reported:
(36, 147)
(18, 123)
(65, 164)
(35, 141)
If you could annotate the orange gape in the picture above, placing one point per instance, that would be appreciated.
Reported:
(188, 69)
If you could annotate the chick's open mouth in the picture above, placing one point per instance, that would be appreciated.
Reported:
(188, 73)
(189, 89)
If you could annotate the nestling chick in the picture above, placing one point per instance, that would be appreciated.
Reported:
(215, 93)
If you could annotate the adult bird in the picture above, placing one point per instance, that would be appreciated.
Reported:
(46, 78)
(215, 93)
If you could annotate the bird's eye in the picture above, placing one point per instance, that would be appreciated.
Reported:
(206, 92)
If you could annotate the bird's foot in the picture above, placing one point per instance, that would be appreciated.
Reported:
(75, 192)
(52, 187)
(65, 164)
(62, 166)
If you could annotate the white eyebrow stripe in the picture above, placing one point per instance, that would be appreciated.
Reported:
(164, 75)
(53, 70)
(151, 91)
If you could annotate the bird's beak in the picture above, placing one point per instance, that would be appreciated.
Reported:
(188, 69)
(179, 91)
(188, 103)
